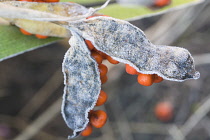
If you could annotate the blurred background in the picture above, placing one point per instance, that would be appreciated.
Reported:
(31, 88)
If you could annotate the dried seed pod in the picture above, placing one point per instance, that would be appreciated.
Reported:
(128, 44)
(60, 9)
(82, 85)
(116, 38)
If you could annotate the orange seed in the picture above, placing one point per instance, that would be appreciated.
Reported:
(111, 60)
(87, 131)
(157, 79)
(102, 69)
(161, 3)
(102, 98)
(25, 32)
(89, 44)
(164, 111)
(104, 79)
(130, 70)
(41, 36)
(145, 79)
(98, 118)
(97, 57)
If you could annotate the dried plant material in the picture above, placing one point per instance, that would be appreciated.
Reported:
(82, 85)
(4, 22)
(135, 2)
(125, 43)
(128, 44)
(117, 38)
(55, 10)
(26, 10)
(36, 17)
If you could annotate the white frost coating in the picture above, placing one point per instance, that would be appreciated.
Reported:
(116, 38)
(8, 11)
(31, 11)
(128, 44)
(79, 68)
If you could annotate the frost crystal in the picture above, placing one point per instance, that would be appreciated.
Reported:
(128, 44)
(82, 85)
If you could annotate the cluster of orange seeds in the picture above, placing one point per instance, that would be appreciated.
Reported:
(98, 118)
(143, 79)
(37, 35)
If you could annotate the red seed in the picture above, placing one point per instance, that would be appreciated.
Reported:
(104, 56)
(104, 79)
(89, 44)
(130, 70)
(98, 118)
(25, 32)
(87, 131)
(41, 36)
(161, 3)
(157, 79)
(145, 79)
(164, 111)
(111, 60)
(102, 69)
(97, 57)
(102, 98)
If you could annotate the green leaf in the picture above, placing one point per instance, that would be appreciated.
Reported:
(122, 12)
(13, 42)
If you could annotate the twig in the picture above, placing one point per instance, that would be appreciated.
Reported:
(42, 95)
(121, 122)
(150, 128)
(205, 123)
(172, 25)
(175, 132)
(20, 124)
(40, 122)
(202, 59)
(196, 117)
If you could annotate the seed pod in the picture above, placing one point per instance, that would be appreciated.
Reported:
(128, 44)
(82, 85)
(118, 39)
(60, 9)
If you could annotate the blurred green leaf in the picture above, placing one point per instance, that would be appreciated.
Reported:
(122, 12)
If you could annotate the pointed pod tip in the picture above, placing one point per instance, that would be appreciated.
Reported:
(196, 75)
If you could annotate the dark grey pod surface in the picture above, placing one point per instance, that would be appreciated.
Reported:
(125, 43)
(82, 85)
(128, 44)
